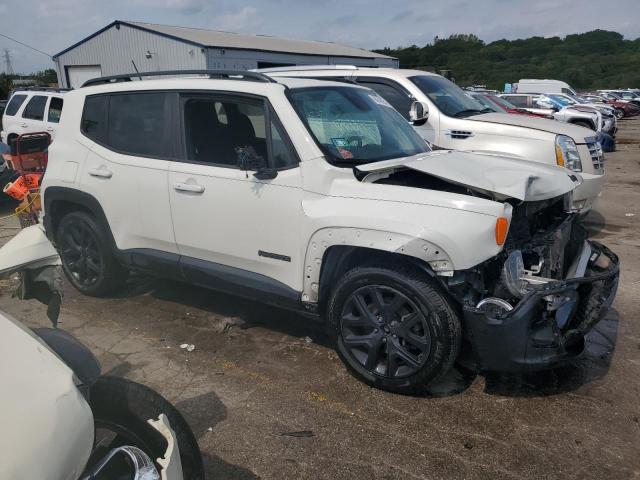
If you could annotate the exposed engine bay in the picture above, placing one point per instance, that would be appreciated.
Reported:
(541, 295)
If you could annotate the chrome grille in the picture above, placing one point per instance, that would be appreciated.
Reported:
(597, 157)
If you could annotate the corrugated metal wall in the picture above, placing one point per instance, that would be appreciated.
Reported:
(114, 49)
(232, 59)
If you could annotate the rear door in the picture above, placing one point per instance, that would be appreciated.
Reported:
(54, 110)
(33, 115)
(132, 144)
(231, 227)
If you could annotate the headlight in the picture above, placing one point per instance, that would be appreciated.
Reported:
(567, 154)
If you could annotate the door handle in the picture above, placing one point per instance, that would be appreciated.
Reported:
(50, 129)
(188, 187)
(24, 125)
(100, 172)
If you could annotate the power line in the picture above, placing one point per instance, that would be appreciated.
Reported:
(25, 45)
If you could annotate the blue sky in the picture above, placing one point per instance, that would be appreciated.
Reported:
(52, 25)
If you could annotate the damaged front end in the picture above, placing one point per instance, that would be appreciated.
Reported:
(530, 307)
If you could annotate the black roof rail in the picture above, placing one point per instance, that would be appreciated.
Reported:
(228, 74)
(41, 89)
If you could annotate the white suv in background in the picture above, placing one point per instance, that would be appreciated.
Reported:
(30, 111)
(319, 197)
(454, 120)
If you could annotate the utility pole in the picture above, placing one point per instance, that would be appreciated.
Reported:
(8, 68)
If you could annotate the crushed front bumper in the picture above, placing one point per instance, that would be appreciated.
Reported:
(533, 337)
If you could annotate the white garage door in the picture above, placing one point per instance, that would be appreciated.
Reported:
(78, 74)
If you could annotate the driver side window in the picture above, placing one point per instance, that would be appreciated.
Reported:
(394, 96)
(226, 130)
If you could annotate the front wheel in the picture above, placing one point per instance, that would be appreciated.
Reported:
(619, 113)
(121, 410)
(393, 328)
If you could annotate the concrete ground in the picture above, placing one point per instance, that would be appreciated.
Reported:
(268, 398)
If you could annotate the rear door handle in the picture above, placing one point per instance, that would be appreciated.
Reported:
(188, 187)
(50, 129)
(100, 172)
(24, 125)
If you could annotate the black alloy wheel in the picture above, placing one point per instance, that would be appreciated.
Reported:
(385, 331)
(88, 257)
(78, 249)
(393, 327)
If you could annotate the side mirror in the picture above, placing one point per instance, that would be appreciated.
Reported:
(248, 159)
(419, 112)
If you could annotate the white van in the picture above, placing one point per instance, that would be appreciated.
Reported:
(532, 85)
(453, 120)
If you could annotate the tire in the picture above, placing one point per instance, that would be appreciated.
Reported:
(619, 113)
(123, 407)
(414, 342)
(87, 258)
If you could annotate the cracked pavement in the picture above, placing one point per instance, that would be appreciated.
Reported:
(265, 402)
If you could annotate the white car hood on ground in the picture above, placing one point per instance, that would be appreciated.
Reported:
(546, 125)
(504, 176)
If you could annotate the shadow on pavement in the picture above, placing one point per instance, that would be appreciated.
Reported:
(204, 412)
(592, 365)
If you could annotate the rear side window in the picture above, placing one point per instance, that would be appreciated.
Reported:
(35, 108)
(94, 118)
(137, 124)
(14, 104)
(55, 110)
(520, 101)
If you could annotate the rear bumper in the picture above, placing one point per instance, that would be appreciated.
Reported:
(533, 337)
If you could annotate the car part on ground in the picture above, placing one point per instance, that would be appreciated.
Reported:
(53, 390)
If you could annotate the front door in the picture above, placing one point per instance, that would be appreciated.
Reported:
(232, 227)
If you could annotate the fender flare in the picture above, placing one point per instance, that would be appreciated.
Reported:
(54, 194)
(402, 244)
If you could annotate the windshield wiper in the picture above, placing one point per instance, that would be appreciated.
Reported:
(471, 111)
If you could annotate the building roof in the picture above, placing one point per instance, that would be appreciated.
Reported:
(217, 39)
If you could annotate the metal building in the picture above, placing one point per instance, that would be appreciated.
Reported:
(124, 47)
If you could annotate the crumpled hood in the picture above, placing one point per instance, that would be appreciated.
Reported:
(546, 125)
(505, 177)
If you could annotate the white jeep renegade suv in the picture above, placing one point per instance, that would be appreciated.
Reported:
(320, 197)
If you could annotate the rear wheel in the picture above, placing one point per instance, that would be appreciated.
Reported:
(619, 113)
(87, 258)
(393, 328)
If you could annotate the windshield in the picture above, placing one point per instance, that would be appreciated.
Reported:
(560, 100)
(448, 97)
(355, 125)
(486, 102)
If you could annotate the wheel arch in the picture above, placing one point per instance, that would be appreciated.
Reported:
(58, 201)
(333, 251)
